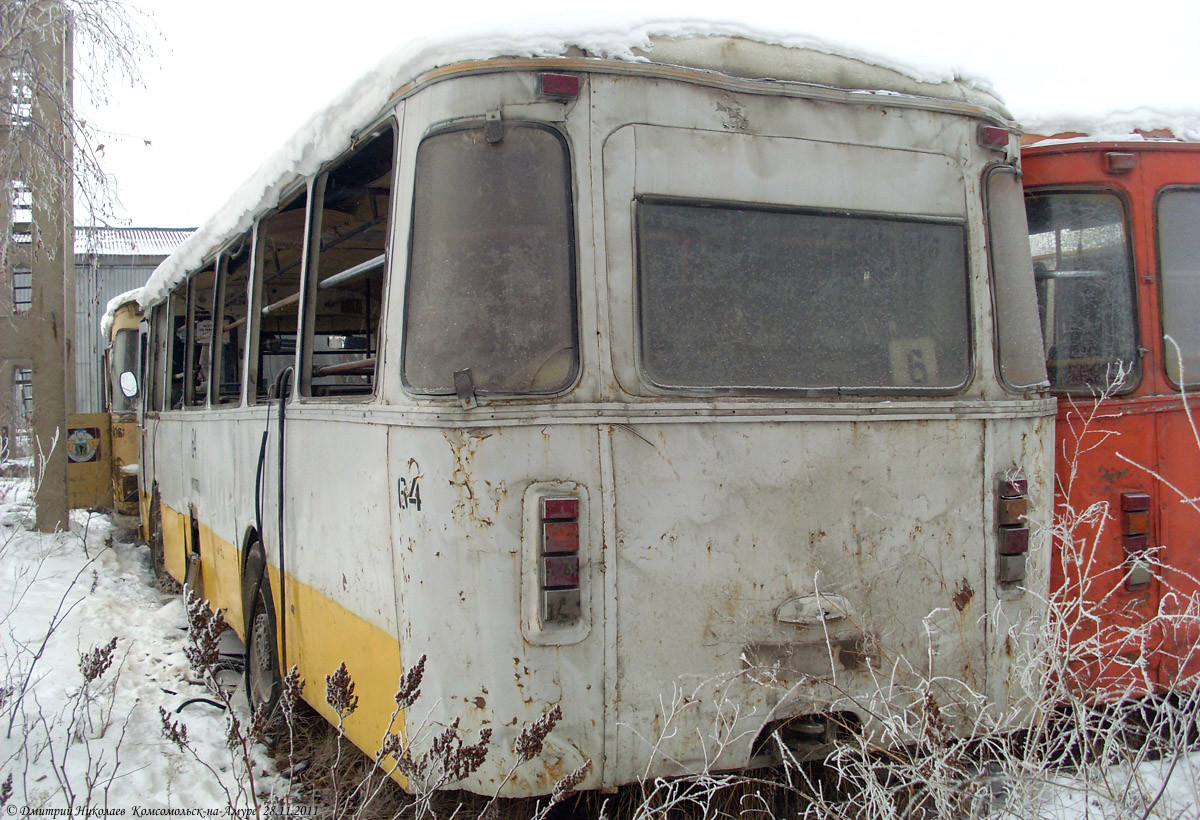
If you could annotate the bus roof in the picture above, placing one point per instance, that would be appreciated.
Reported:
(705, 49)
(1141, 125)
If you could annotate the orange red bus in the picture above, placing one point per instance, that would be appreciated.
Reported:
(1115, 236)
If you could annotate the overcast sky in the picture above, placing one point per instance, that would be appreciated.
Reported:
(232, 79)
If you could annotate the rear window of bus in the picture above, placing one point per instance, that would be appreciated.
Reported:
(1084, 276)
(1179, 262)
(491, 283)
(736, 297)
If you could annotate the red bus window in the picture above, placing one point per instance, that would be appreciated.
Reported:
(1084, 279)
(1179, 261)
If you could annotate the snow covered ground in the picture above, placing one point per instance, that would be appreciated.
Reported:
(66, 742)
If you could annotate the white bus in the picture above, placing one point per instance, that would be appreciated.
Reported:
(699, 393)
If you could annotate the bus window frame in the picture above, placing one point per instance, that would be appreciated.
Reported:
(300, 188)
(172, 339)
(478, 123)
(1122, 195)
(652, 388)
(216, 367)
(189, 384)
(997, 349)
(1159, 283)
(302, 383)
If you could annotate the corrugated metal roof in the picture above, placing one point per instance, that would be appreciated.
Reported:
(129, 241)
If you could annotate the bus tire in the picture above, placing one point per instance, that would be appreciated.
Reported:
(264, 683)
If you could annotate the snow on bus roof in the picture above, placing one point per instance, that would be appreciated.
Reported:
(328, 132)
(1130, 125)
(110, 311)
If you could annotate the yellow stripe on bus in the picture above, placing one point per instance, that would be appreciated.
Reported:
(321, 634)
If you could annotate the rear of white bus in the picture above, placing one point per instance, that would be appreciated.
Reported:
(782, 492)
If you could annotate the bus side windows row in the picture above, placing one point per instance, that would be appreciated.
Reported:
(225, 330)
(491, 284)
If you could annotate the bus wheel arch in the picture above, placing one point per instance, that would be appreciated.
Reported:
(264, 683)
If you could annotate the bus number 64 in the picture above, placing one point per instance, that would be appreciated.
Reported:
(410, 493)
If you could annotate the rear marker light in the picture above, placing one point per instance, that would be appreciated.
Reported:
(1119, 162)
(993, 137)
(560, 570)
(560, 536)
(559, 86)
(560, 509)
(1012, 506)
(559, 561)
(1014, 540)
(1139, 575)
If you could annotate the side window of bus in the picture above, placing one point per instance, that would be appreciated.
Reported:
(351, 207)
(154, 364)
(200, 332)
(123, 359)
(279, 250)
(491, 281)
(1084, 279)
(176, 345)
(232, 313)
(1179, 263)
(1018, 337)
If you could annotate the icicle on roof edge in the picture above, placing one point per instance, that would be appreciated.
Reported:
(328, 132)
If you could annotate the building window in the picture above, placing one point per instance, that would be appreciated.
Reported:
(22, 279)
(23, 381)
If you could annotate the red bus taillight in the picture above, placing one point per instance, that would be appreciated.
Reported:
(1135, 539)
(558, 86)
(993, 137)
(559, 561)
(1012, 529)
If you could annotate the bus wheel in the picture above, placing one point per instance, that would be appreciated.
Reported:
(264, 684)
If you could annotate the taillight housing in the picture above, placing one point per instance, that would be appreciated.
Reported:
(1135, 539)
(558, 561)
(1119, 162)
(993, 137)
(558, 86)
(1012, 528)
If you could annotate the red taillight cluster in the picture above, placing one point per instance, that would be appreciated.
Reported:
(559, 560)
(1135, 537)
(1012, 529)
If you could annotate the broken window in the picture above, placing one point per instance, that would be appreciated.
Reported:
(351, 204)
(745, 298)
(155, 366)
(1179, 263)
(200, 335)
(176, 345)
(279, 247)
(233, 314)
(491, 283)
(1085, 289)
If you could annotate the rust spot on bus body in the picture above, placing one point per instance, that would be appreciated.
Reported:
(963, 596)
